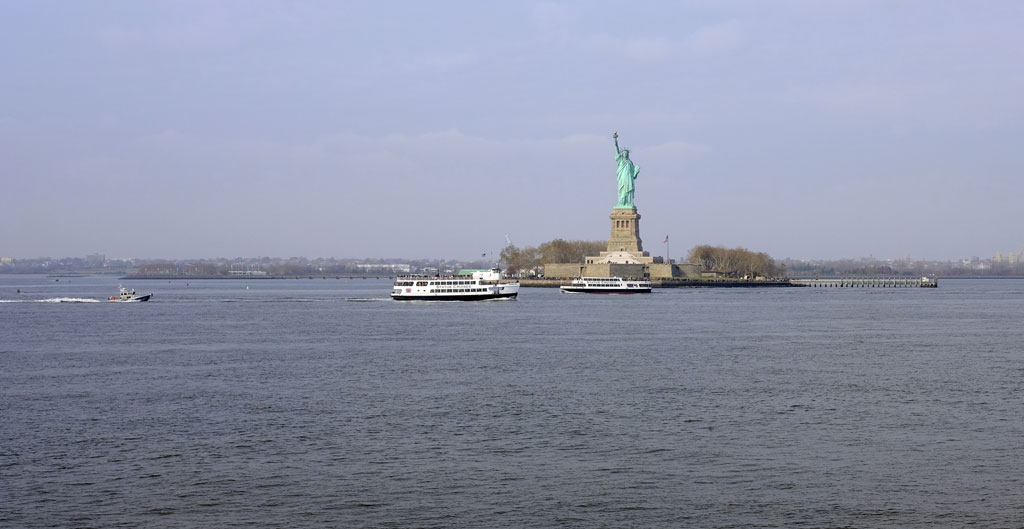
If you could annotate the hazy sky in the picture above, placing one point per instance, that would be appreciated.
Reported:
(433, 129)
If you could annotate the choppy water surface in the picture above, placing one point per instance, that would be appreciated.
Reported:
(320, 403)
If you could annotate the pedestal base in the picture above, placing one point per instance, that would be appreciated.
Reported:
(625, 235)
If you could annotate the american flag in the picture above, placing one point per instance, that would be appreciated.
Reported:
(666, 240)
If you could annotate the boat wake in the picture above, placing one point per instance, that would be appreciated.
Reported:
(365, 300)
(52, 300)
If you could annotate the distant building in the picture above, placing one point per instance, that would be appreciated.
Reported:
(256, 273)
(1009, 258)
(6, 260)
(381, 267)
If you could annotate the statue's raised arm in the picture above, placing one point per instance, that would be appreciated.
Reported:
(615, 136)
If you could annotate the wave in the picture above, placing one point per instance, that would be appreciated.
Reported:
(69, 300)
(53, 300)
(281, 300)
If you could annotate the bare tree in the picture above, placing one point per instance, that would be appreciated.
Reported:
(739, 261)
(519, 259)
(563, 251)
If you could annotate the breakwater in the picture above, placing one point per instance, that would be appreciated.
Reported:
(869, 282)
(676, 282)
(838, 282)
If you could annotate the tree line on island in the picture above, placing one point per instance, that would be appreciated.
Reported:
(524, 260)
(738, 261)
(732, 261)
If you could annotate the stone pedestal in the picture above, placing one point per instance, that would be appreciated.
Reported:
(625, 235)
(624, 244)
(625, 256)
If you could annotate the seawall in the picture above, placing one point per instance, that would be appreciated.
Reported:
(676, 282)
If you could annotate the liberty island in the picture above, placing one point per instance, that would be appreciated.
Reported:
(624, 255)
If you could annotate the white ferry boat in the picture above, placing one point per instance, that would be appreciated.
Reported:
(468, 285)
(607, 285)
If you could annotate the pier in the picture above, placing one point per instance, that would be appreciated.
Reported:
(869, 282)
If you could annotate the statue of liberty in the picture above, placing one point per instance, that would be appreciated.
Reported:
(628, 172)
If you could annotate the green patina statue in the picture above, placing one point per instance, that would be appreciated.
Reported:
(628, 172)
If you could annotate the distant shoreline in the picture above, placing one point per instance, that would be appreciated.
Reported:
(197, 278)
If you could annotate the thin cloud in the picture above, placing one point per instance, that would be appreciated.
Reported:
(211, 30)
(644, 49)
(438, 62)
(553, 17)
(678, 150)
(717, 39)
(850, 96)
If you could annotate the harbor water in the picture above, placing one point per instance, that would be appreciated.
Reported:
(322, 403)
